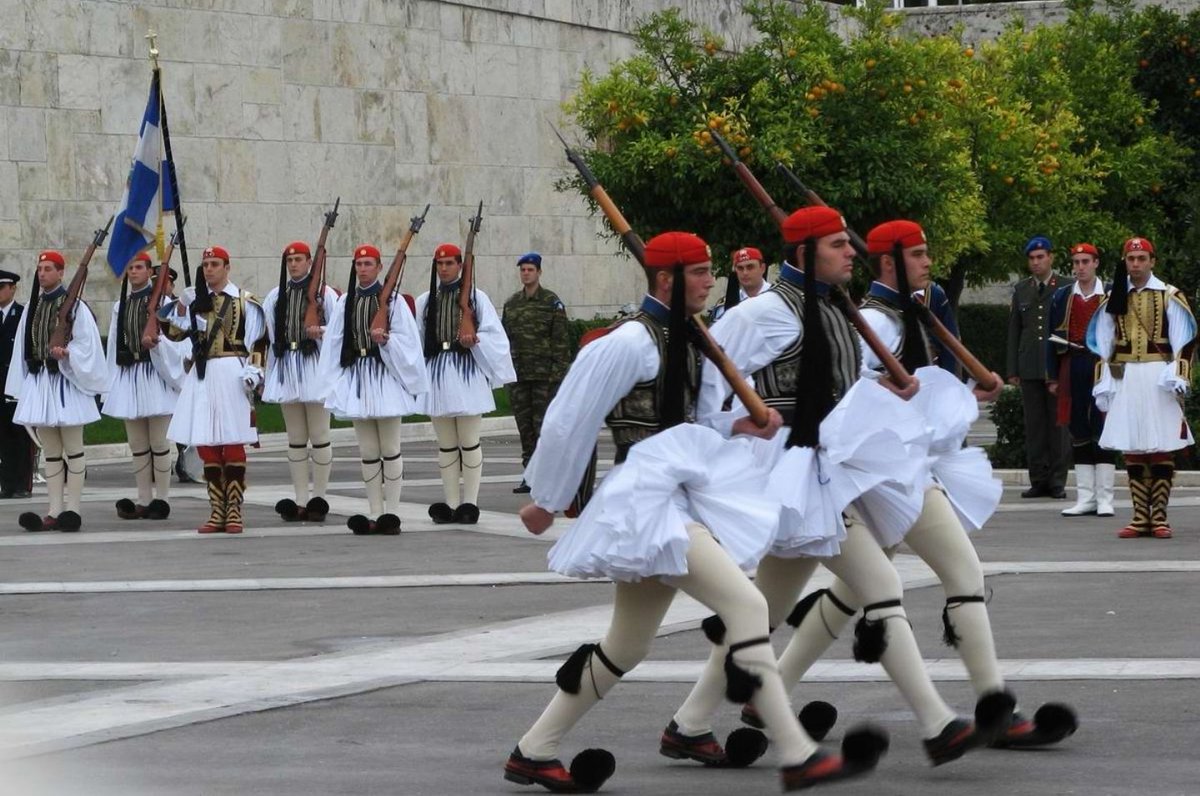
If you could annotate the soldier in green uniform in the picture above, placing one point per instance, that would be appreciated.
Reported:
(536, 323)
(1046, 444)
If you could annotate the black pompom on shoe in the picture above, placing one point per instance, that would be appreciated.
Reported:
(69, 522)
(317, 509)
(744, 746)
(288, 509)
(128, 510)
(31, 522)
(1052, 723)
(158, 510)
(441, 514)
(468, 514)
(817, 718)
(360, 525)
(591, 768)
(387, 525)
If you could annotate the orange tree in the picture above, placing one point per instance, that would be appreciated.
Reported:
(986, 145)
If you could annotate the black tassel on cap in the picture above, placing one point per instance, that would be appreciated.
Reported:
(348, 353)
(1118, 297)
(733, 290)
(913, 354)
(672, 410)
(432, 346)
(814, 386)
(281, 308)
(122, 303)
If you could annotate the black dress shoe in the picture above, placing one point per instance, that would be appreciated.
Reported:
(8, 495)
(21, 494)
(1036, 491)
(522, 488)
(1058, 493)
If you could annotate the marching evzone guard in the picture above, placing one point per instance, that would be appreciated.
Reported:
(1071, 370)
(56, 389)
(960, 497)
(374, 377)
(834, 454)
(214, 412)
(292, 382)
(1145, 336)
(142, 391)
(462, 374)
(681, 510)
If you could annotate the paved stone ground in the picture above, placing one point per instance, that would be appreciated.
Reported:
(140, 658)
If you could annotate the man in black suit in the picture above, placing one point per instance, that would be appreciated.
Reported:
(1046, 445)
(16, 449)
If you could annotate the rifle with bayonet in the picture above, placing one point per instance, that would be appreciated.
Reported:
(151, 329)
(395, 271)
(467, 326)
(982, 375)
(900, 377)
(65, 320)
(757, 409)
(314, 311)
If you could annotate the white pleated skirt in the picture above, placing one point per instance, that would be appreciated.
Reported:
(293, 378)
(50, 399)
(368, 390)
(635, 526)
(1143, 417)
(457, 387)
(215, 411)
(139, 391)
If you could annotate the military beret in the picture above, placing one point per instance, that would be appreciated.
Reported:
(367, 250)
(884, 237)
(747, 254)
(446, 250)
(1038, 242)
(53, 257)
(530, 257)
(215, 253)
(143, 257)
(812, 222)
(1138, 245)
(9, 278)
(297, 247)
(676, 248)
(1085, 248)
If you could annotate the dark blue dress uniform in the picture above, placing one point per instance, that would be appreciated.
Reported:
(16, 448)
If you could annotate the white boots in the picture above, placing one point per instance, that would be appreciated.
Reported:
(1094, 490)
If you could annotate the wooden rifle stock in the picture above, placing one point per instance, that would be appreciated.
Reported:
(66, 313)
(984, 377)
(467, 326)
(755, 406)
(314, 311)
(395, 271)
(151, 329)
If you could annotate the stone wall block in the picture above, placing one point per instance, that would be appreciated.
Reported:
(379, 185)
(101, 163)
(373, 115)
(451, 22)
(301, 113)
(179, 94)
(410, 127)
(10, 191)
(418, 183)
(3, 133)
(10, 77)
(195, 166)
(246, 230)
(456, 73)
(506, 237)
(218, 100)
(302, 9)
(488, 27)
(338, 122)
(62, 156)
(78, 83)
(38, 73)
(124, 89)
(27, 134)
(14, 34)
(33, 181)
(350, 11)
(268, 41)
(361, 55)
(262, 85)
(42, 224)
(272, 180)
(413, 14)
(306, 52)
(263, 122)
(236, 171)
(496, 66)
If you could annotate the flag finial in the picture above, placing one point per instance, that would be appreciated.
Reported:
(153, 38)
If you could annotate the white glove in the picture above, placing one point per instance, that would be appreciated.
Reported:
(188, 296)
(1175, 385)
(251, 376)
(1103, 401)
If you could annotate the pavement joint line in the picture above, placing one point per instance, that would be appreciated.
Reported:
(917, 574)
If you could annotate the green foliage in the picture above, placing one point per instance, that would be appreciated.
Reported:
(1009, 416)
(1040, 131)
(984, 330)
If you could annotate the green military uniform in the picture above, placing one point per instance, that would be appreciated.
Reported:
(541, 351)
(1046, 444)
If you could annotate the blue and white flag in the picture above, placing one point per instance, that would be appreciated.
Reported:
(147, 190)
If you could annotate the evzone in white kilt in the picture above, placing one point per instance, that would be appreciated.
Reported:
(461, 380)
(57, 398)
(1144, 376)
(681, 510)
(870, 440)
(143, 389)
(292, 381)
(374, 386)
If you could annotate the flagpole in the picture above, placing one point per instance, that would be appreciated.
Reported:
(166, 136)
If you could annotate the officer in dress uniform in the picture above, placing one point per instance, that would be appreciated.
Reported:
(292, 382)
(16, 448)
(1046, 447)
(56, 389)
(214, 413)
(1071, 369)
(143, 388)
(1145, 333)
(536, 322)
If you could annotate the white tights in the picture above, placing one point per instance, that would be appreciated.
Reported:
(151, 456)
(459, 453)
(63, 448)
(382, 467)
(305, 423)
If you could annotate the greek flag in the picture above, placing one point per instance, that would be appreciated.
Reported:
(147, 190)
